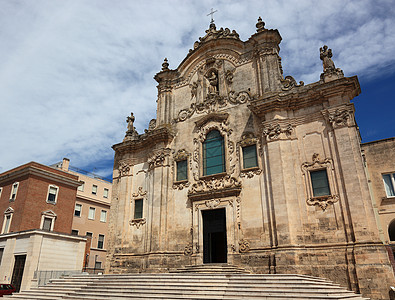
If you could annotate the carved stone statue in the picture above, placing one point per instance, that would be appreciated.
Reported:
(131, 133)
(326, 57)
(194, 87)
(213, 79)
(330, 71)
(130, 121)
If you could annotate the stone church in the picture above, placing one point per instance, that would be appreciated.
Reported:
(248, 167)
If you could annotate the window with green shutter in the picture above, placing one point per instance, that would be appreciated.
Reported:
(320, 183)
(182, 171)
(249, 157)
(213, 153)
(138, 208)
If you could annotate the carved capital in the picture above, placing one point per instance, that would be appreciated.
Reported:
(124, 168)
(159, 159)
(276, 131)
(339, 118)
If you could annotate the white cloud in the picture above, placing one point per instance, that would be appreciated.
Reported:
(71, 71)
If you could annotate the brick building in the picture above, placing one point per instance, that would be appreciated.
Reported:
(37, 203)
(90, 215)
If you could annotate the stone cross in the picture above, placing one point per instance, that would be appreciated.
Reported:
(212, 13)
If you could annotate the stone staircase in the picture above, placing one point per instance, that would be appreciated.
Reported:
(212, 268)
(169, 286)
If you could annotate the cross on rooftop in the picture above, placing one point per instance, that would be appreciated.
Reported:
(212, 13)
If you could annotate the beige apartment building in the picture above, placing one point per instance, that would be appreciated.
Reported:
(90, 218)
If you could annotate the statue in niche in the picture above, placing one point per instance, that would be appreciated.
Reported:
(213, 80)
(326, 57)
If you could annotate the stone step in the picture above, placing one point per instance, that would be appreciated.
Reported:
(188, 286)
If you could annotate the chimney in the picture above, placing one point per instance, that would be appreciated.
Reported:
(65, 164)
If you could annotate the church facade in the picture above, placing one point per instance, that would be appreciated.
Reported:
(245, 166)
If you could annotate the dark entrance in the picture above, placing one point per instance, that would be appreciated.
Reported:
(214, 236)
(17, 274)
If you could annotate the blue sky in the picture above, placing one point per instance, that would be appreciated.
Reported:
(72, 71)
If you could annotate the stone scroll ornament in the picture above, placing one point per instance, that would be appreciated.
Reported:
(244, 246)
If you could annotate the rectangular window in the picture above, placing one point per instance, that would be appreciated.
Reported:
(1, 189)
(389, 184)
(47, 224)
(14, 190)
(249, 157)
(77, 210)
(91, 215)
(7, 223)
(100, 241)
(52, 194)
(213, 154)
(97, 264)
(138, 208)
(103, 216)
(89, 234)
(74, 232)
(182, 170)
(81, 187)
(105, 193)
(94, 189)
(320, 183)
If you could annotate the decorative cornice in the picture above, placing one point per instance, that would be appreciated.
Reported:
(145, 141)
(306, 96)
(43, 173)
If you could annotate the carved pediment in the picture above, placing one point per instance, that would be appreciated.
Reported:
(49, 213)
(212, 33)
(9, 210)
(219, 117)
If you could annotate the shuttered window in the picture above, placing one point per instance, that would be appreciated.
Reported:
(138, 208)
(213, 153)
(182, 172)
(249, 157)
(320, 184)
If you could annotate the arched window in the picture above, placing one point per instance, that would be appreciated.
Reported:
(213, 153)
(391, 231)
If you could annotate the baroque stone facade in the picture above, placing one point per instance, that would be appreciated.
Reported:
(262, 207)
